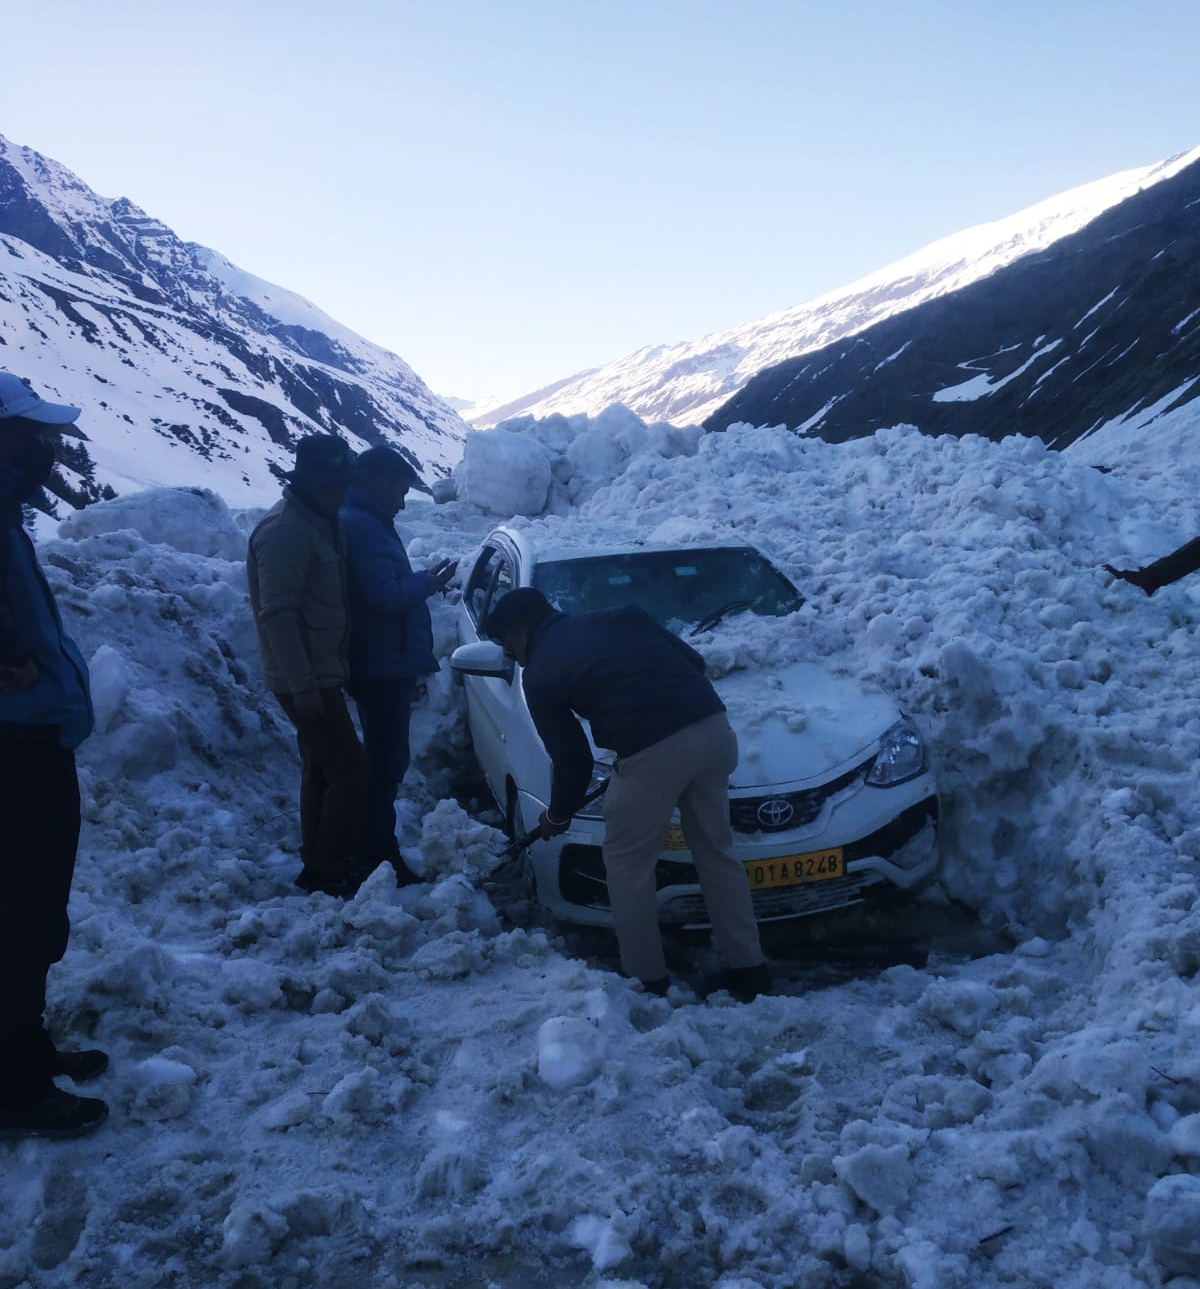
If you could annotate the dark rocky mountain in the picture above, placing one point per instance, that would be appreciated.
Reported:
(1100, 326)
(189, 370)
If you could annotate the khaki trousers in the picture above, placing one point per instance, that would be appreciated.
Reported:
(691, 769)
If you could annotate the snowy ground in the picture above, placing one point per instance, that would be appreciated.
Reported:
(413, 1088)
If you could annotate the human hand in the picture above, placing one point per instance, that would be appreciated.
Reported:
(1139, 577)
(15, 679)
(443, 572)
(309, 704)
(551, 827)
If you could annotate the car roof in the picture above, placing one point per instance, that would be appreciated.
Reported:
(540, 552)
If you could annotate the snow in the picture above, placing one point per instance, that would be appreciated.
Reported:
(435, 1086)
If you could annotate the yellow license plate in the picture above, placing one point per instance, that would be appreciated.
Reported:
(674, 838)
(790, 870)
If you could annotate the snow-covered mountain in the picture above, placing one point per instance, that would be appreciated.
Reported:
(686, 383)
(189, 370)
(1100, 329)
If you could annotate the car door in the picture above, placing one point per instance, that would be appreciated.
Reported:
(506, 742)
(488, 709)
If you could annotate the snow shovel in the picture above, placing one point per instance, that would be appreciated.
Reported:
(519, 844)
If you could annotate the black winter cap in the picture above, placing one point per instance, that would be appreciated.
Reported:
(524, 607)
(387, 463)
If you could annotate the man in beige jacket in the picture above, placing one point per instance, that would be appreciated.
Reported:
(295, 566)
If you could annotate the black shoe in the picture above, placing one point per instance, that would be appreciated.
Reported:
(743, 983)
(343, 887)
(657, 987)
(61, 1114)
(79, 1066)
(404, 875)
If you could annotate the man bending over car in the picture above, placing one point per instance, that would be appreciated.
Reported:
(645, 694)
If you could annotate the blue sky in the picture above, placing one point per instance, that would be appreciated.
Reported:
(507, 192)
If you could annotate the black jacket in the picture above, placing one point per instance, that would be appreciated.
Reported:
(633, 680)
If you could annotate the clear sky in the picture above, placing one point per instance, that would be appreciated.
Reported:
(505, 192)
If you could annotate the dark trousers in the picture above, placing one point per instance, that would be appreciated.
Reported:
(39, 836)
(385, 714)
(333, 784)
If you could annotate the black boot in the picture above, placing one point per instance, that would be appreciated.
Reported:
(743, 983)
(61, 1114)
(79, 1066)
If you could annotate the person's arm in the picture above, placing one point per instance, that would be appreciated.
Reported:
(377, 579)
(569, 752)
(18, 670)
(1163, 571)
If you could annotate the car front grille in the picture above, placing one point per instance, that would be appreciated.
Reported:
(688, 910)
(788, 809)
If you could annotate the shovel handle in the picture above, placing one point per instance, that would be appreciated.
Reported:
(534, 834)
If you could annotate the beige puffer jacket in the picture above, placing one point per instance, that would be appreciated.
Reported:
(296, 571)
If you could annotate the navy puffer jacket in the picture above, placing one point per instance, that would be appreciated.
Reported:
(58, 707)
(391, 633)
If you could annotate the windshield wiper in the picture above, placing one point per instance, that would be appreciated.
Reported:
(711, 619)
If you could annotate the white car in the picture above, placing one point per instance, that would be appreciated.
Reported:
(833, 799)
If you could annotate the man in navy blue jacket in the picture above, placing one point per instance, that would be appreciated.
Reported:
(391, 636)
(45, 713)
(645, 694)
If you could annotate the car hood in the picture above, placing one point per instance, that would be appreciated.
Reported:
(801, 722)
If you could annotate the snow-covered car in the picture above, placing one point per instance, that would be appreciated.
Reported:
(833, 799)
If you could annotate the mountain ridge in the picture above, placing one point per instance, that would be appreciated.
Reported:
(189, 369)
(1101, 326)
(691, 380)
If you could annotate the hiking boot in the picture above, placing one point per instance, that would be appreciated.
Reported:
(79, 1067)
(742, 983)
(61, 1114)
(657, 987)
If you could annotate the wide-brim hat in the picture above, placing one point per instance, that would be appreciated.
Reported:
(17, 398)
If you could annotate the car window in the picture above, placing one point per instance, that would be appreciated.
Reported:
(680, 586)
(491, 577)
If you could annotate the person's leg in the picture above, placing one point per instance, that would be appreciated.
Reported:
(39, 836)
(704, 815)
(312, 784)
(385, 714)
(333, 786)
(637, 809)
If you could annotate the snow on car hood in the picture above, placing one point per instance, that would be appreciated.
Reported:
(800, 722)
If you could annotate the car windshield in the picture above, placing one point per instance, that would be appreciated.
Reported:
(674, 586)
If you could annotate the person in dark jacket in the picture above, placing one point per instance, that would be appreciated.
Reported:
(391, 636)
(45, 713)
(1163, 571)
(295, 569)
(645, 694)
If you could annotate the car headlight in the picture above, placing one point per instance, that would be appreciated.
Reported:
(901, 756)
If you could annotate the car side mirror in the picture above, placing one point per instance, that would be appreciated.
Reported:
(483, 658)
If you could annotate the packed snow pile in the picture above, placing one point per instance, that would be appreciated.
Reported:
(532, 467)
(412, 1088)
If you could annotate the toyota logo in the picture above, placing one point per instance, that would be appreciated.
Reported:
(774, 813)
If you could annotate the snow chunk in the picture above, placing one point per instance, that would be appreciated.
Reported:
(602, 1238)
(570, 1051)
(504, 473)
(1172, 1222)
(880, 1176)
(192, 520)
(162, 1089)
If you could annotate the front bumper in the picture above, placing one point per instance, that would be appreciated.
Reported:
(902, 853)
